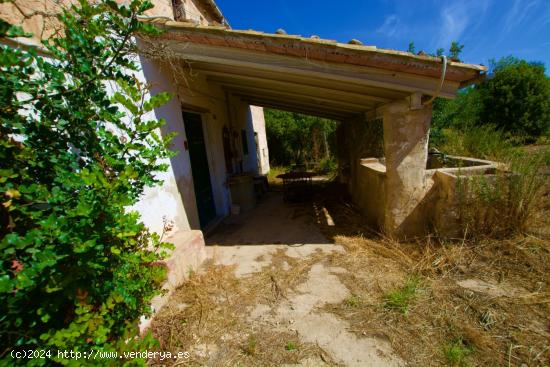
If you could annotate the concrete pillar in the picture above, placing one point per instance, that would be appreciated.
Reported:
(406, 150)
(260, 140)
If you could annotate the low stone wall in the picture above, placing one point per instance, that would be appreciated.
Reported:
(445, 215)
(437, 210)
(370, 192)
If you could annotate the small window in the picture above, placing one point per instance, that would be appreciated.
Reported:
(244, 141)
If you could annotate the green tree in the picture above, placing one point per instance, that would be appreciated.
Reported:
(411, 48)
(78, 268)
(461, 112)
(298, 138)
(516, 98)
(455, 50)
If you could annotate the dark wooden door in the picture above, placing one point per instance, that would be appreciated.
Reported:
(199, 168)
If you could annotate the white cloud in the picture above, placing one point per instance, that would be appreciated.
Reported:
(517, 13)
(457, 18)
(392, 26)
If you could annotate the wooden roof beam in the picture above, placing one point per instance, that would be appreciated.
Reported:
(242, 80)
(307, 110)
(310, 99)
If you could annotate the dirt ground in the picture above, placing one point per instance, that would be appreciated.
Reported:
(336, 296)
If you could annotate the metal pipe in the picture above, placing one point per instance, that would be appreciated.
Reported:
(441, 81)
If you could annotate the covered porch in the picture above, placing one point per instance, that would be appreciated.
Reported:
(381, 97)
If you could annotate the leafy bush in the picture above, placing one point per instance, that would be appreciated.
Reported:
(294, 138)
(516, 98)
(328, 165)
(77, 268)
(461, 112)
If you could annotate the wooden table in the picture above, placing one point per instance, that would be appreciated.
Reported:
(297, 186)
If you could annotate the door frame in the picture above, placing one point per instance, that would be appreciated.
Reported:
(184, 108)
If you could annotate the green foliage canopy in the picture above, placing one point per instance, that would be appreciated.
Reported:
(297, 138)
(78, 269)
(516, 98)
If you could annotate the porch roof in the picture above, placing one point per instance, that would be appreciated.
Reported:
(310, 75)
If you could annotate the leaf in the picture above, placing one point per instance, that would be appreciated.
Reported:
(5, 284)
(13, 193)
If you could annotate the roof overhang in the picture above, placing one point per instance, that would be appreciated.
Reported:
(309, 74)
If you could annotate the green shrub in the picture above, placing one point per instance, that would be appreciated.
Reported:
(297, 138)
(78, 269)
(516, 98)
(506, 202)
(484, 142)
(328, 166)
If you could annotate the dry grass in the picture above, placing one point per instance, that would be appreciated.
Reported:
(209, 317)
(445, 324)
(492, 330)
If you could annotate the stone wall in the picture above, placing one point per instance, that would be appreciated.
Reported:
(357, 139)
(360, 145)
(195, 11)
(39, 17)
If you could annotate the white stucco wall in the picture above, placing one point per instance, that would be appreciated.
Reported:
(175, 199)
(240, 120)
(167, 201)
(207, 99)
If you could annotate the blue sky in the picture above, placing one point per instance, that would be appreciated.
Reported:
(487, 28)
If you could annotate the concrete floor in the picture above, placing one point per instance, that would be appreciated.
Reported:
(272, 221)
(249, 241)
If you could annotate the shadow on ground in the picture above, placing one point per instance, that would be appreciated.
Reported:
(316, 220)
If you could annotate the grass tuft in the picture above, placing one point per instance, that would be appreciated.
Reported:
(401, 298)
(251, 346)
(354, 301)
(456, 353)
(507, 202)
(291, 346)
